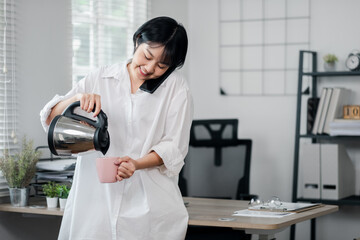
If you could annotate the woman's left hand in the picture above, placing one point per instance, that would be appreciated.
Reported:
(127, 167)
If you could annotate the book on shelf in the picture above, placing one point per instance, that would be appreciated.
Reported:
(312, 106)
(319, 111)
(339, 98)
(345, 127)
(325, 110)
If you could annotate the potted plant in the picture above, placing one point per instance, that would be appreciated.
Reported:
(19, 169)
(63, 191)
(329, 62)
(51, 191)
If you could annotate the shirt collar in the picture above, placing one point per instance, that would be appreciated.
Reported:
(149, 86)
(113, 71)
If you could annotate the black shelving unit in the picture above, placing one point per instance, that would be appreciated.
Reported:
(314, 74)
(45, 176)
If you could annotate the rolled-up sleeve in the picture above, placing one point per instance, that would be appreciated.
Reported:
(45, 112)
(174, 144)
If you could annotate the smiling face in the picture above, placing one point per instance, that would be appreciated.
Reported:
(147, 63)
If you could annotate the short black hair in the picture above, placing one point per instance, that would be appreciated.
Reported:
(163, 31)
(166, 32)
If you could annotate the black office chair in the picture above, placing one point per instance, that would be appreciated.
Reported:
(217, 166)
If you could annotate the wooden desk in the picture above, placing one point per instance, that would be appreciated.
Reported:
(208, 212)
(36, 206)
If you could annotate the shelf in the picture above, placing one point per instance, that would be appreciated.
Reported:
(329, 137)
(314, 74)
(352, 200)
(37, 205)
(332, 74)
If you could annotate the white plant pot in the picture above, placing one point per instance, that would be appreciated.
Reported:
(329, 67)
(62, 202)
(52, 202)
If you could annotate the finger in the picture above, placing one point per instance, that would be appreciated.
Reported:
(123, 170)
(123, 174)
(80, 98)
(97, 105)
(119, 178)
(92, 100)
(84, 102)
(119, 160)
(128, 166)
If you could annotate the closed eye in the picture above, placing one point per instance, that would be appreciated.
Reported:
(162, 66)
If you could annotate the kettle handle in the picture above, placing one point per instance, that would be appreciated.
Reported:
(101, 121)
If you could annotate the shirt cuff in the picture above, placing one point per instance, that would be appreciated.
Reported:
(45, 112)
(172, 158)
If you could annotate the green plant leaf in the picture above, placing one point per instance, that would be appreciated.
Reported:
(19, 169)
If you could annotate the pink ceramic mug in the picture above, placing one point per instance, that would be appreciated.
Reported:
(106, 169)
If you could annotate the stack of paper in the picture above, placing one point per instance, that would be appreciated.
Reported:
(263, 214)
(345, 127)
(55, 176)
(286, 207)
(57, 165)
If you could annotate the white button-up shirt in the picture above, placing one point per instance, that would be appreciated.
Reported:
(148, 205)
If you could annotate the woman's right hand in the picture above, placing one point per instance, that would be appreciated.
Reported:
(88, 101)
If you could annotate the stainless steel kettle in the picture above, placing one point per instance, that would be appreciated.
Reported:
(70, 133)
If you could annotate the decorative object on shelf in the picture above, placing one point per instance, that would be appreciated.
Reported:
(63, 191)
(330, 62)
(19, 169)
(353, 61)
(351, 111)
(51, 191)
(312, 106)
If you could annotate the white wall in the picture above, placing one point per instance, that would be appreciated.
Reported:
(43, 59)
(270, 121)
(175, 9)
(44, 66)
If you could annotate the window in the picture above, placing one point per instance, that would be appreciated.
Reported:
(8, 107)
(102, 32)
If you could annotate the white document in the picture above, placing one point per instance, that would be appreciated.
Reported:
(263, 214)
(286, 207)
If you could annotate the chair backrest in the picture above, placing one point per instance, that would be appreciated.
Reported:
(218, 163)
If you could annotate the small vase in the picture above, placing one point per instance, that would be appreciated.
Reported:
(52, 202)
(329, 67)
(19, 197)
(62, 202)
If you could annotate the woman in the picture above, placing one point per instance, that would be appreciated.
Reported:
(149, 109)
